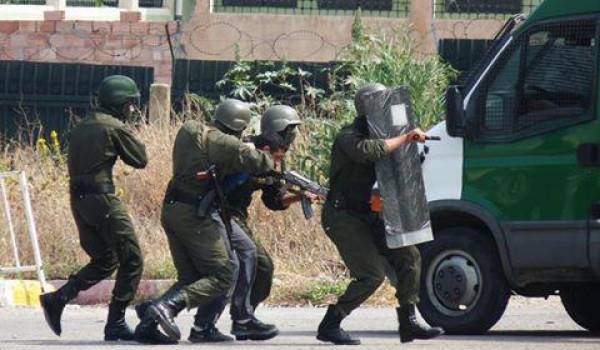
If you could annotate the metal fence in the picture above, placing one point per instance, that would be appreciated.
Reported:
(152, 3)
(482, 9)
(87, 3)
(93, 3)
(44, 96)
(462, 54)
(22, 2)
(381, 8)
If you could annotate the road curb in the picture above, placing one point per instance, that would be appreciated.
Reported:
(26, 292)
(21, 292)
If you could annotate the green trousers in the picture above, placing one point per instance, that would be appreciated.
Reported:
(265, 268)
(360, 240)
(107, 236)
(199, 252)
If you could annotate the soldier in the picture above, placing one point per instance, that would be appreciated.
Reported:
(359, 234)
(254, 280)
(196, 233)
(105, 230)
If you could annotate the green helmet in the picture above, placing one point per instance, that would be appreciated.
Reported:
(114, 92)
(278, 118)
(361, 93)
(233, 114)
(277, 125)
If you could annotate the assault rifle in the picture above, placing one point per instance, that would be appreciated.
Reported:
(304, 184)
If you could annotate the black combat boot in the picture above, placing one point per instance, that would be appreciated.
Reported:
(165, 309)
(330, 330)
(207, 334)
(116, 328)
(54, 304)
(253, 329)
(410, 329)
(147, 331)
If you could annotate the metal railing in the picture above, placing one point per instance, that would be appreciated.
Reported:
(20, 178)
(482, 9)
(93, 3)
(87, 3)
(22, 2)
(152, 3)
(380, 8)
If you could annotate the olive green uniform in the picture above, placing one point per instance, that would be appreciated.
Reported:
(105, 230)
(357, 232)
(199, 249)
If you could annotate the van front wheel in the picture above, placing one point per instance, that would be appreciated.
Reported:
(463, 288)
(583, 305)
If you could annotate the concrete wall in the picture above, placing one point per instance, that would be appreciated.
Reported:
(214, 36)
(97, 42)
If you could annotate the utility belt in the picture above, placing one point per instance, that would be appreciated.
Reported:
(204, 202)
(175, 195)
(83, 189)
(341, 202)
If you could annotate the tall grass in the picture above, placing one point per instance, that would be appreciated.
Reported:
(308, 267)
(302, 254)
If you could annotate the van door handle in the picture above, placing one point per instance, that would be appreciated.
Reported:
(588, 155)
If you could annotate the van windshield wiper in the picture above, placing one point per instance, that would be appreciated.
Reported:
(499, 39)
(510, 24)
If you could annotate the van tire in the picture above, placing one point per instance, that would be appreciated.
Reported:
(582, 303)
(471, 251)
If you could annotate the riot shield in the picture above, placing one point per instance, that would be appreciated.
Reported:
(399, 177)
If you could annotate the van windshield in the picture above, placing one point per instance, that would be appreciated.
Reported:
(502, 36)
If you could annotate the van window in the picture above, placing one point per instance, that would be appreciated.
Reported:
(546, 80)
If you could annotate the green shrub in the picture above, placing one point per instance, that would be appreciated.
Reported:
(390, 59)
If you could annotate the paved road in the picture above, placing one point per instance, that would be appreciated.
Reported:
(527, 324)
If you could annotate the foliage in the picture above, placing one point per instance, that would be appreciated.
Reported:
(318, 292)
(393, 60)
(50, 151)
(388, 59)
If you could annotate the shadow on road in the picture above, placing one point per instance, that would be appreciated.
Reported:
(542, 336)
(63, 343)
(537, 336)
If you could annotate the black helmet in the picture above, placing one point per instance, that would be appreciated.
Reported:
(366, 89)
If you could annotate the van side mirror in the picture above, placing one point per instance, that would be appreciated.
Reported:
(455, 114)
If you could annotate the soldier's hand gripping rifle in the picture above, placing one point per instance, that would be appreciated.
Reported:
(219, 197)
(304, 184)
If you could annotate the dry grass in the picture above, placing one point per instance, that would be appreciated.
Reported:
(308, 268)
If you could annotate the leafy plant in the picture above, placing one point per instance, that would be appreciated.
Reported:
(393, 60)
(390, 59)
(319, 292)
